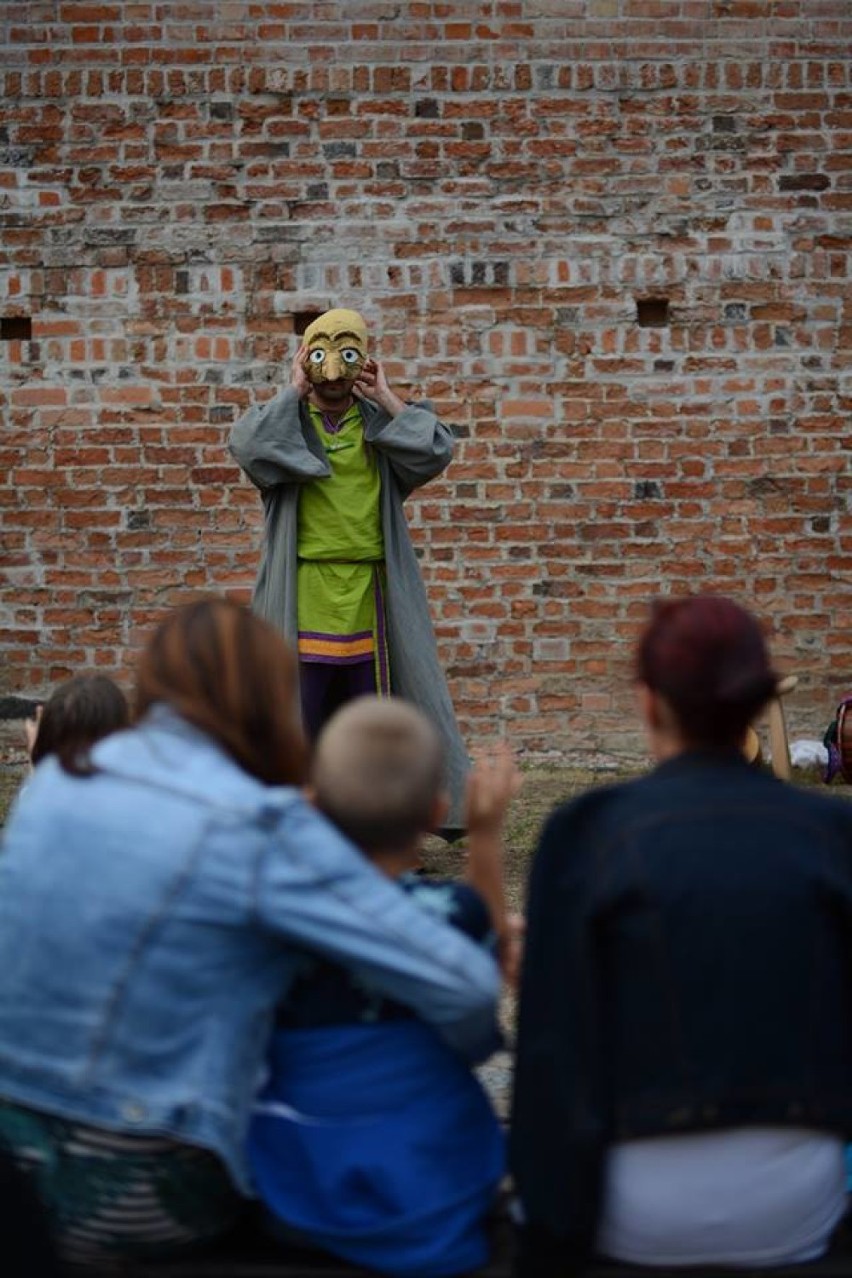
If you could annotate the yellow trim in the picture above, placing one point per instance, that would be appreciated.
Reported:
(337, 647)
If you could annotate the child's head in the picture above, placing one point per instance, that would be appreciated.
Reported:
(76, 715)
(378, 774)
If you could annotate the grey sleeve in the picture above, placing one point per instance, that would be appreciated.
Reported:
(417, 445)
(268, 443)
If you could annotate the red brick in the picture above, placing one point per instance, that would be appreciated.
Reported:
(497, 219)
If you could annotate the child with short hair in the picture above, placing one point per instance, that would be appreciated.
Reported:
(371, 1139)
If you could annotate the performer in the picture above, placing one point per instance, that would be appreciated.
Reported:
(334, 456)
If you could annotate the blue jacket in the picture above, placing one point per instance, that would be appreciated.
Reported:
(688, 966)
(149, 919)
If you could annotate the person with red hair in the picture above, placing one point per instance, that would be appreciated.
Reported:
(684, 1057)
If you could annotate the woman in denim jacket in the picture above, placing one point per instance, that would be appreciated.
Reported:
(152, 902)
(684, 1070)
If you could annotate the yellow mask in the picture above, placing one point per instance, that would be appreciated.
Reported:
(337, 346)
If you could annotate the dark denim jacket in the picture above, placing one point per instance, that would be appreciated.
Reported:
(688, 966)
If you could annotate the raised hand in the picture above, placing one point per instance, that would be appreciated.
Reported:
(371, 383)
(493, 782)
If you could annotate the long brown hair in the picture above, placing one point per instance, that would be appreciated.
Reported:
(232, 675)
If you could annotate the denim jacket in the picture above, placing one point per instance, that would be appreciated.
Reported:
(688, 967)
(150, 920)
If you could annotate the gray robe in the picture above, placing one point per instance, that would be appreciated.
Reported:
(277, 447)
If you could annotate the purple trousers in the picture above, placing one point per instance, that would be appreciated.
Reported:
(325, 687)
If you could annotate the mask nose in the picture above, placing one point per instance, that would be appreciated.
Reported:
(333, 367)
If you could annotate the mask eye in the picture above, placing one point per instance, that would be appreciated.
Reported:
(349, 355)
(317, 356)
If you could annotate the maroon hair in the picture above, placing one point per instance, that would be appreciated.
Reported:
(707, 657)
(231, 674)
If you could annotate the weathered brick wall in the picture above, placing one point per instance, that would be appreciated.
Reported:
(497, 186)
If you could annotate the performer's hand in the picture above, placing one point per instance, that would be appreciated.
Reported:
(298, 375)
(371, 383)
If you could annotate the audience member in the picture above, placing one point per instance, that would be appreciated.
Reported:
(78, 713)
(684, 1056)
(151, 917)
(371, 1138)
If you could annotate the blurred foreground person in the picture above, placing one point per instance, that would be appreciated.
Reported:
(150, 915)
(372, 1138)
(684, 1072)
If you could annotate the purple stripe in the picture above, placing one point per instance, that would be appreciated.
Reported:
(337, 638)
(381, 636)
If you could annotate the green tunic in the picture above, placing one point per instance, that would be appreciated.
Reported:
(340, 548)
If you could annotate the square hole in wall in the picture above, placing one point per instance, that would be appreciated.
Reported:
(16, 328)
(652, 312)
(303, 320)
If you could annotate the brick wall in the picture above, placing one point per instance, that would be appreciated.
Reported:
(610, 238)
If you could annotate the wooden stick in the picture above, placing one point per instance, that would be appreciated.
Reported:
(779, 743)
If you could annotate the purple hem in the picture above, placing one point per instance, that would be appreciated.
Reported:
(310, 659)
(335, 638)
